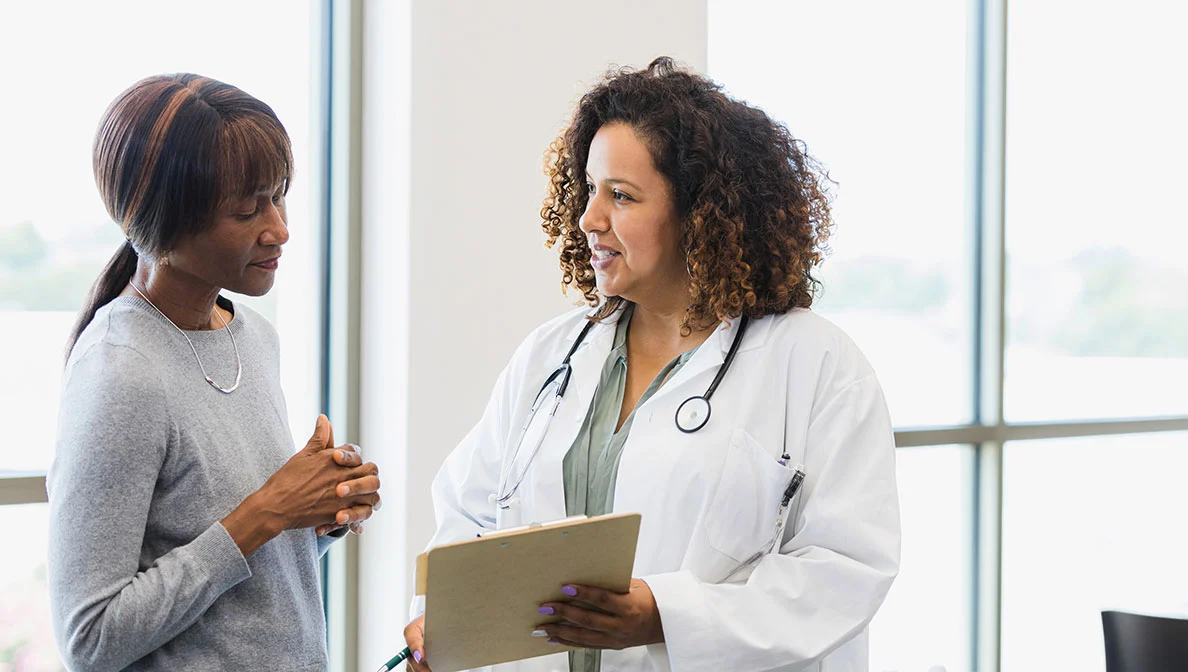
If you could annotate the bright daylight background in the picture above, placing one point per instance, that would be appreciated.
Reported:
(1097, 300)
(55, 235)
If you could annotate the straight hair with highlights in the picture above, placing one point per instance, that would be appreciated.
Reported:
(170, 151)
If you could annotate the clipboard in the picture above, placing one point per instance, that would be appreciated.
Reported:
(482, 595)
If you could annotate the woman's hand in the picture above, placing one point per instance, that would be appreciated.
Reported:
(414, 638)
(615, 622)
(306, 492)
(349, 455)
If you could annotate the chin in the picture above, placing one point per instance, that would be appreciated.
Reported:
(252, 289)
(608, 287)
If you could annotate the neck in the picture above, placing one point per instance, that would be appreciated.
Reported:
(660, 327)
(186, 301)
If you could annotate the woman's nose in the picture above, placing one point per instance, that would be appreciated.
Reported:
(277, 231)
(594, 218)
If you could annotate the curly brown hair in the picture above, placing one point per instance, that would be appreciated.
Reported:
(754, 206)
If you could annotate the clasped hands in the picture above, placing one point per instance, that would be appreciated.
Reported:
(324, 487)
(363, 488)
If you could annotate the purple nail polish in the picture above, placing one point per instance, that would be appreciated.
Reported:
(547, 611)
(553, 641)
(417, 656)
(569, 590)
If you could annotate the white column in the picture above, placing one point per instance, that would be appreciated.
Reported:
(461, 99)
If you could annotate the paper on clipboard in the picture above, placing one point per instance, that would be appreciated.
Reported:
(482, 595)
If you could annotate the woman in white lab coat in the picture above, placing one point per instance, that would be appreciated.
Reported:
(681, 213)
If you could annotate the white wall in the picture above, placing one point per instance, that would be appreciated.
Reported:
(461, 98)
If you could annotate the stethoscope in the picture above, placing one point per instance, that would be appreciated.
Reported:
(691, 415)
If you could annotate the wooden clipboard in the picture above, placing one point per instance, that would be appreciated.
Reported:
(482, 595)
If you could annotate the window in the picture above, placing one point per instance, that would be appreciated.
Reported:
(1088, 524)
(55, 235)
(1098, 312)
(927, 619)
(1052, 175)
(880, 102)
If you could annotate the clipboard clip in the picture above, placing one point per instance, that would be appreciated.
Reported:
(530, 526)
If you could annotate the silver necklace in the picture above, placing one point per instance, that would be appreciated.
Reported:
(238, 361)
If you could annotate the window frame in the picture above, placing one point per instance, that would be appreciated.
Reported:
(338, 96)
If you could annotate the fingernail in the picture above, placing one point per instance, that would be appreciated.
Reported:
(417, 656)
(553, 641)
(547, 611)
(569, 590)
(537, 633)
(344, 490)
(343, 518)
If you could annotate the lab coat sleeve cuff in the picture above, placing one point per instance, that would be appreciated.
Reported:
(658, 656)
(677, 596)
(417, 608)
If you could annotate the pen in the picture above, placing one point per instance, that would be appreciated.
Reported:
(790, 492)
(399, 658)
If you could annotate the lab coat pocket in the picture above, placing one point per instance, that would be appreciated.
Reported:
(743, 513)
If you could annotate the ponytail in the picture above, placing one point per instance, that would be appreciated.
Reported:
(110, 283)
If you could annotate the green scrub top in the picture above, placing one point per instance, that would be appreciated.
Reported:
(591, 466)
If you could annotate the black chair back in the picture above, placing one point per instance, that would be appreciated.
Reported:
(1138, 643)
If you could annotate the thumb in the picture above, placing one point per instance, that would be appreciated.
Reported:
(322, 432)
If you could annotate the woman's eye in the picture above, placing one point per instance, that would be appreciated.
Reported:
(278, 198)
(590, 187)
(244, 217)
(620, 196)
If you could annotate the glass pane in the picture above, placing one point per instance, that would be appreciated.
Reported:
(1088, 524)
(26, 636)
(55, 235)
(1098, 315)
(927, 618)
(877, 90)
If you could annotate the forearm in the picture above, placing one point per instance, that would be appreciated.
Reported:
(108, 622)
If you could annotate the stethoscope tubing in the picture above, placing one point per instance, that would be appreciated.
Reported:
(508, 495)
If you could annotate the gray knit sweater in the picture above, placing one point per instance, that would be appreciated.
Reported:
(149, 459)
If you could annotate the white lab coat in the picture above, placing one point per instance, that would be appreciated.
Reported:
(709, 500)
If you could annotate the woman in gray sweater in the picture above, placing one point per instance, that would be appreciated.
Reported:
(184, 532)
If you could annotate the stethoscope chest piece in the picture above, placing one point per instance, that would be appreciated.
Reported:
(692, 414)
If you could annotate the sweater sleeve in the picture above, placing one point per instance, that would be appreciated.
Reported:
(111, 606)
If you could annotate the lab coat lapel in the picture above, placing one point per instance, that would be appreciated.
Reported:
(712, 353)
(547, 480)
(587, 368)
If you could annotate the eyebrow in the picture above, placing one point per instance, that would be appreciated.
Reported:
(618, 180)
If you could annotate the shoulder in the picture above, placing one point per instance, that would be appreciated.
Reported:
(254, 325)
(813, 343)
(109, 375)
(556, 335)
(113, 345)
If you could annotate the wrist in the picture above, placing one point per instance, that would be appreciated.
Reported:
(251, 525)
